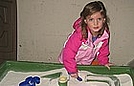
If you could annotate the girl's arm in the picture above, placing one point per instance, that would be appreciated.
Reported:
(104, 53)
(71, 48)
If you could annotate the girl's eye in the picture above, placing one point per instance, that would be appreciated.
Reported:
(90, 19)
(100, 19)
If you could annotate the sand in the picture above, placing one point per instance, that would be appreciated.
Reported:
(13, 78)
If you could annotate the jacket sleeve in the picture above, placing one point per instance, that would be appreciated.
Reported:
(71, 48)
(104, 53)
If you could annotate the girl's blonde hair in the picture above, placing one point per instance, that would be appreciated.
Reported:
(89, 9)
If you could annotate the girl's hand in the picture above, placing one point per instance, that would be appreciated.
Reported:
(74, 75)
(108, 65)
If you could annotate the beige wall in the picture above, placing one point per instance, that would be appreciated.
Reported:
(43, 26)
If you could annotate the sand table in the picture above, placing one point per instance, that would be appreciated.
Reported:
(89, 79)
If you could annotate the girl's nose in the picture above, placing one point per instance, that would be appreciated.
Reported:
(95, 22)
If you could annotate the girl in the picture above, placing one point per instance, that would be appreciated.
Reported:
(89, 41)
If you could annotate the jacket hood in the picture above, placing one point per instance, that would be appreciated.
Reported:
(77, 25)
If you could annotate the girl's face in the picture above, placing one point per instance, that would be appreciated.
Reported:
(95, 22)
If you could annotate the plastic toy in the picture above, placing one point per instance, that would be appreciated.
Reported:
(30, 81)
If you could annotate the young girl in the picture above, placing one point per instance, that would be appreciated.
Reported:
(89, 41)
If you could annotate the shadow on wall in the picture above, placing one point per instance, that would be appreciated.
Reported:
(131, 63)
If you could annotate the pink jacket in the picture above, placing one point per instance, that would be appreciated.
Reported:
(79, 51)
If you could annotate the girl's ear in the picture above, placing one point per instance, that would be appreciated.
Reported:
(104, 20)
(85, 21)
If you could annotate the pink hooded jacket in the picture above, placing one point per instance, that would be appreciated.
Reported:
(79, 51)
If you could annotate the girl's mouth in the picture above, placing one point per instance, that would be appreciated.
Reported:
(96, 27)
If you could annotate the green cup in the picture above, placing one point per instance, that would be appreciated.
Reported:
(62, 81)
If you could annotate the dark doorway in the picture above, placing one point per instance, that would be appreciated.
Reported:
(8, 30)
